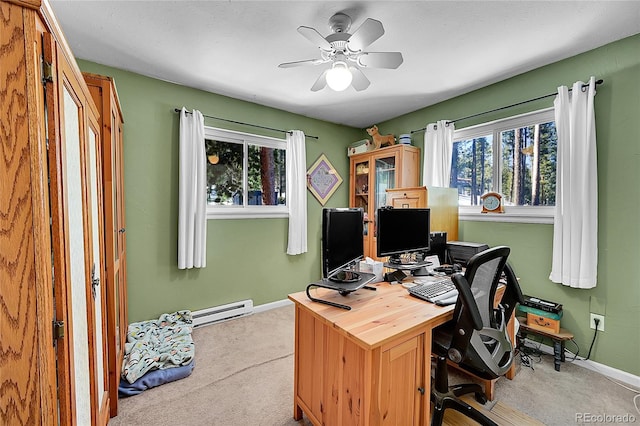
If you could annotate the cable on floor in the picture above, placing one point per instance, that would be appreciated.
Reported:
(528, 354)
(575, 355)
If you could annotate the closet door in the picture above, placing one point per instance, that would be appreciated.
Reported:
(80, 309)
(104, 94)
(98, 289)
(77, 253)
(119, 227)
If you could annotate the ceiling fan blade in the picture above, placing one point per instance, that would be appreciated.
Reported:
(315, 37)
(390, 60)
(301, 63)
(360, 81)
(321, 82)
(367, 33)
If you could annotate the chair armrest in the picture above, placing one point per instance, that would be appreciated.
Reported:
(470, 313)
(467, 318)
(513, 293)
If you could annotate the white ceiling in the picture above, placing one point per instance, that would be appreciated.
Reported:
(234, 47)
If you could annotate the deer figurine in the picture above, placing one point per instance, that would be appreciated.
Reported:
(380, 140)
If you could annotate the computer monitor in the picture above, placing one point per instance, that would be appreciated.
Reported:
(342, 242)
(402, 231)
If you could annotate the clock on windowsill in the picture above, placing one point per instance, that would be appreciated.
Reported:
(491, 202)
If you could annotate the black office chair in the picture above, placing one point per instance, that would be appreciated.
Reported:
(476, 339)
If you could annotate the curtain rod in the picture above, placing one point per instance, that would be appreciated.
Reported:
(505, 107)
(246, 124)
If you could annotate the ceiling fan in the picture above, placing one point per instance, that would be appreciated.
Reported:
(346, 53)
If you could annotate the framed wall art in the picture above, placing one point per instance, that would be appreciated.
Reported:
(323, 179)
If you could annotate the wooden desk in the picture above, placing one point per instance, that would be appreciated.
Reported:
(367, 366)
(370, 365)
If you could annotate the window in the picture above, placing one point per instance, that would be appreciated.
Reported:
(516, 157)
(246, 175)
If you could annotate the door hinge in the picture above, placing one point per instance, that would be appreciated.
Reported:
(58, 330)
(47, 72)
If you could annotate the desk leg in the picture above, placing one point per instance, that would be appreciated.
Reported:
(558, 354)
(297, 412)
(511, 329)
(426, 374)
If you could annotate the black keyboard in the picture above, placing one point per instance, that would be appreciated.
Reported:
(432, 290)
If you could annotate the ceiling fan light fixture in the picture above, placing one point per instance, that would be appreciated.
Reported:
(339, 77)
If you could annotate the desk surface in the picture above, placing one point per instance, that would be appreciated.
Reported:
(376, 317)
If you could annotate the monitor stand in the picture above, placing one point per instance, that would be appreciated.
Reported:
(345, 277)
(421, 272)
(344, 288)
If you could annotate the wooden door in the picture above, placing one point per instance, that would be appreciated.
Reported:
(402, 388)
(76, 221)
(97, 265)
(104, 94)
(27, 363)
(120, 258)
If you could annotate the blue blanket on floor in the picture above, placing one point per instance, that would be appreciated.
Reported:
(154, 378)
(158, 345)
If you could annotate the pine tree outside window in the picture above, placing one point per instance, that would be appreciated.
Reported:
(246, 175)
(516, 157)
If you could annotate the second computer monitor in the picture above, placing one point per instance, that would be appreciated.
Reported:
(402, 231)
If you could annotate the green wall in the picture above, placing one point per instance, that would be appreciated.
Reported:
(246, 259)
(617, 106)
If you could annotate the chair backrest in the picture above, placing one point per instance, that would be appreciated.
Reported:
(481, 343)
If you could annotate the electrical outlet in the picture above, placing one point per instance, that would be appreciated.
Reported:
(592, 323)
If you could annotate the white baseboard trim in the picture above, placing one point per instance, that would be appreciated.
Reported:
(272, 305)
(612, 373)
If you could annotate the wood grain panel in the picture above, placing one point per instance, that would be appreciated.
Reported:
(34, 30)
(352, 407)
(401, 367)
(33, 4)
(19, 379)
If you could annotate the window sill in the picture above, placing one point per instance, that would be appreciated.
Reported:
(247, 213)
(511, 214)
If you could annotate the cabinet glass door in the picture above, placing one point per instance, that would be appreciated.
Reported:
(361, 190)
(385, 179)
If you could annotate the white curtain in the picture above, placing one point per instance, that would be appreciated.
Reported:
(296, 163)
(438, 146)
(192, 209)
(575, 229)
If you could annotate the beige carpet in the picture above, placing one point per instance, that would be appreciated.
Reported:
(244, 376)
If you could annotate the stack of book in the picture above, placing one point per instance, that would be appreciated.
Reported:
(542, 314)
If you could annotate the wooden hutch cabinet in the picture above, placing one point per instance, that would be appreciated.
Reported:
(53, 324)
(371, 174)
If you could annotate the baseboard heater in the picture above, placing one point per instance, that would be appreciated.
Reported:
(222, 312)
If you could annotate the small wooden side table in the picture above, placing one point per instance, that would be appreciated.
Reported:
(558, 340)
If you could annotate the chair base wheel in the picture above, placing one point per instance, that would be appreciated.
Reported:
(481, 398)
